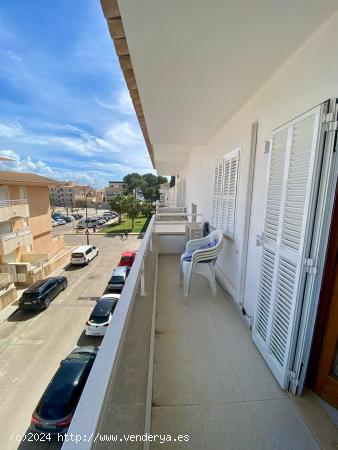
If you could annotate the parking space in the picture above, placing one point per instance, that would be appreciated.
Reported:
(33, 344)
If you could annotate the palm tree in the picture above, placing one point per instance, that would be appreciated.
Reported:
(118, 204)
(132, 208)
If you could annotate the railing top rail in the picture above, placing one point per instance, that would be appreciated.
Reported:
(14, 234)
(88, 411)
(178, 214)
(4, 279)
(20, 201)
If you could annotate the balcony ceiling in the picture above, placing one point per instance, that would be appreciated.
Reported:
(197, 62)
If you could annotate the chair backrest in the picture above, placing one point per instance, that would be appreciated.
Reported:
(209, 252)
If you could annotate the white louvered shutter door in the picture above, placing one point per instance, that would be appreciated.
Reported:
(217, 196)
(286, 228)
(230, 224)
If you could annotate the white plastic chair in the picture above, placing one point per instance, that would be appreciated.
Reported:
(200, 257)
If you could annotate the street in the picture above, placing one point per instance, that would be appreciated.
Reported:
(33, 344)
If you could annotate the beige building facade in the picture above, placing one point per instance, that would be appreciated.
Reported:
(26, 243)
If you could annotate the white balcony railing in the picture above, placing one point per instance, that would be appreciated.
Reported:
(15, 234)
(20, 201)
(11, 241)
(13, 208)
(5, 280)
(89, 411)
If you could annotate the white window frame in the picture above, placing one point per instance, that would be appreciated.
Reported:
(224, 194)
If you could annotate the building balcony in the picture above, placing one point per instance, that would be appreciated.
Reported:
(11, 241)
(13, 208)
(175, 366)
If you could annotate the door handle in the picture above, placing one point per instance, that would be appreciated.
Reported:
(260, 239)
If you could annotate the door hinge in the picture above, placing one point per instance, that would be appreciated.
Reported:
(310, 266)
(294, 380)
(329, 122)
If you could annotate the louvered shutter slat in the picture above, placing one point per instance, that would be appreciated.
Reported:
(287, 218)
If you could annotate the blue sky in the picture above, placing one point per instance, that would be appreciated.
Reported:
(65, 111)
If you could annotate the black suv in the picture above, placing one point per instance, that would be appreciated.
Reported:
(40, 294)
(56, 407)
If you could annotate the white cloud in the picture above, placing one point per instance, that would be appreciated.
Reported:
(11, 131)
(14, 56)
(123, 104)
(122, 134)
(41, 168)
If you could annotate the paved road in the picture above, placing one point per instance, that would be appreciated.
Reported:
(33, 344)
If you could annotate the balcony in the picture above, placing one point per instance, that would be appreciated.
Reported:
(11, 241)
(13, 208)
(172, 366)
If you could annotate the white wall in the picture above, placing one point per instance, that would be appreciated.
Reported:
(306, 79)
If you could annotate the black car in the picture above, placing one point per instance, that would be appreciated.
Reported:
(56, 407)
(116, 283)
(40, 294)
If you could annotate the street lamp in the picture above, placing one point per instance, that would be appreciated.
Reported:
(87, 230)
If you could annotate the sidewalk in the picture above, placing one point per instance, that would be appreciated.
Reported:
(12, 307)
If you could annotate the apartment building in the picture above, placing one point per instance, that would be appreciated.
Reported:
(114, 188)
(26, 241)
(71, 194)
(238, 100)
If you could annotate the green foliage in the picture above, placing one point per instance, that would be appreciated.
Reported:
(147, 185)
(146, 209)
(132, 208)
(118, 204)
(134, 181)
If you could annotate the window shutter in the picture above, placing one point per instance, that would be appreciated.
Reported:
(286, 228)
(217, 195)
(225, 194)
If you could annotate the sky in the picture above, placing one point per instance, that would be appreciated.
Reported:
(65, 111)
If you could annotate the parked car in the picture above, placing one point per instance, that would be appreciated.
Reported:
(107, 215)
(101, 315)
(68, 219)
(54, 223)
(100, 220)
(77, 216)
(57, 405)
(127, 259)
(116, 283)
(90, 222)
(41, 293)
(60, 221)
(84, 254)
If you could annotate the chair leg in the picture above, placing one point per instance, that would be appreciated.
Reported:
(212, 279)
(186, 281)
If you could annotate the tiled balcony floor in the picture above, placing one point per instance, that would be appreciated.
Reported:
(210, 382)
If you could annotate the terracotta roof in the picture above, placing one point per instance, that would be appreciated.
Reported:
(30, 179)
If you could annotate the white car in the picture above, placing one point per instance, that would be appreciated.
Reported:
(84, 254)
(60, 221)
(101, 315)
(54, 223)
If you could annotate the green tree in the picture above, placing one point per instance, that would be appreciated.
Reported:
(147, 185)
(133, 208)
(146, 209)
(118, 204)
(134, 183)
